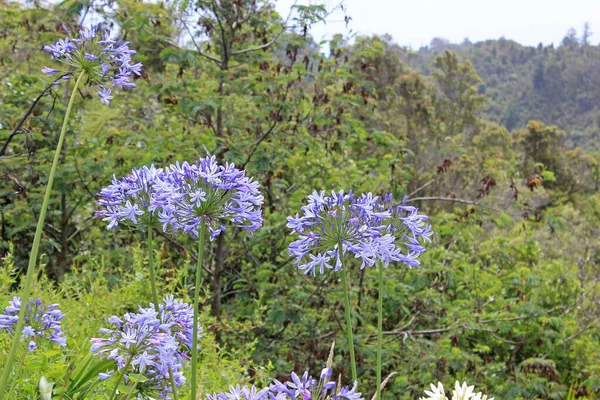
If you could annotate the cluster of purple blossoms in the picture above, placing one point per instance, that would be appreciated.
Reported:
(189, 194)
(106, 62)
(130, 200)
(406, 226)
(308, 388)
(370, 227)
(182, 196)
(152, 343)
(41, 321)
(299, 388)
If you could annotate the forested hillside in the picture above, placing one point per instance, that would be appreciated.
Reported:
(557, 84)
(483, 138)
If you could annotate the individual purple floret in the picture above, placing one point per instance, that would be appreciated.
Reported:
(150, 343)
(187, 194)
(129, 200)
(241, 393)
(369, 227)
(106, 62)
(41, 322)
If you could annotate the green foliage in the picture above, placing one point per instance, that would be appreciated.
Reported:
(555, 85)
(505, 297)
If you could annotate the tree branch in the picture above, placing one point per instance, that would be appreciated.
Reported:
(421, 188)
(17, 129)
(212, 58)
(272, 41)
(453, 200)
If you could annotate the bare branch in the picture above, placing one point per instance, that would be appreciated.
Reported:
(212, 58)
(453, 200)
(458, 325)
(17, 129)
(222, 29)
(421, 188)
(581, 331)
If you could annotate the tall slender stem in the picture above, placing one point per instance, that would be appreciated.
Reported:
(151, 268)
(196, 294)
(379, 330)
(173, 385)
(33, 256)
(155, 298)
(17, 372)
(121, 375)
(348, 315)
(131, 389)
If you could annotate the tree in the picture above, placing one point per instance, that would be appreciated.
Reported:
(460, 101)
(439, 44)
(587, 33)
(570, 40)
(270, 95)
(538, 76)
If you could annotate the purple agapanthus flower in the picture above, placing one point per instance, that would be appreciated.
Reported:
(150, 342)
(106, 62)
(404, 228)
(308, 388)
(188, 194)
(370, 227)
(105, 95)
(303, 387)
(130, 200)
(41, 322)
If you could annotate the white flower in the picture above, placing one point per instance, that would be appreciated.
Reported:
(460, 392)
(437, 393)
(463, 392)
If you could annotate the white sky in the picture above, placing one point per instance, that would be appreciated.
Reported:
(416, 22)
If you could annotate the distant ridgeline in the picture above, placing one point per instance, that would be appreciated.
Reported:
(557, 85)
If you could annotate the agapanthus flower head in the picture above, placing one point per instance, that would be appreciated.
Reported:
(153, 343)
(366, 226)
(41, 322)
(106, 62)
(309, 388)
(460, 392)
(303, 387)
(405, 231)
(188, 194)
(129, 200)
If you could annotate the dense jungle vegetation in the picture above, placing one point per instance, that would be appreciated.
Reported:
(495, 141)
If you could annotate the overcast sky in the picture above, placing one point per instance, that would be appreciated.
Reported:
(416, 22)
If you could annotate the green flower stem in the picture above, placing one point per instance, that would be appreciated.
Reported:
(379, 330)
(33, 256)
(155, 299)
(348, 316)
(151, 268)
(196, 295)
(173, 386)
(120, 379)
(130, 392)
(17, 373)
